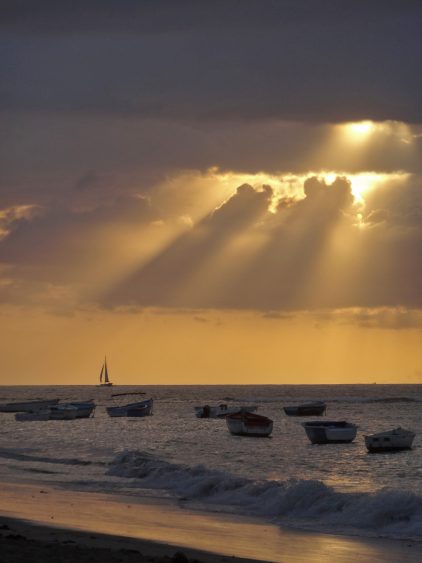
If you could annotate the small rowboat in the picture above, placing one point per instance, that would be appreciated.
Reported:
(28, 406)
(316, 408)
(392, 440)
(330, 432)
(249, 424)
(140, 409)
(222, 410)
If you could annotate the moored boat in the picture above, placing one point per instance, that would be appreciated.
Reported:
(314, 408)
(139, 409)
(27, 406)
(249, 424)
(63, 412)
(391, 440)
(42, 414)
(330, 432)
(222, 410)
(55, 412)
(84, 409)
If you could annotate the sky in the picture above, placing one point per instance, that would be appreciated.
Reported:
(211, 192)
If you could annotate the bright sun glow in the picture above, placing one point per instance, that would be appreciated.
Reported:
(365, 181)
(361, 128)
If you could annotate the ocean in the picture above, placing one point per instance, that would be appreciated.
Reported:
(336, 488)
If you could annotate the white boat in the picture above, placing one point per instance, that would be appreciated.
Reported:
(249, 424)
(221, 411)
(330, 432)
(391, 440)
(27, 406)
(104, 379)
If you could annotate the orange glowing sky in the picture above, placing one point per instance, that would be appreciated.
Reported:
(197, 226)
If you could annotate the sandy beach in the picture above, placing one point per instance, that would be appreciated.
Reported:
(52, 524)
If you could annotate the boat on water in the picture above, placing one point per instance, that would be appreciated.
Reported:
(42, 414)
(28, 406)
(55, 412)
(330, 432)
(84, 409)
(63, 412)
(389, 441)
(314, 408)
(249, 424)
(139, 409)
(222, 410)
(104, 379)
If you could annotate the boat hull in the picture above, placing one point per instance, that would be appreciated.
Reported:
(32, 416)
(249, 424)
(29, 406)
(306, 410)
(330, 432)
(389, 441)
(84, 410)
(63, 412)
(138, 410)
(221, 411)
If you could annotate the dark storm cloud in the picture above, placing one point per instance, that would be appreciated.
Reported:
(214, 60)
(158, 16)
(79, 161)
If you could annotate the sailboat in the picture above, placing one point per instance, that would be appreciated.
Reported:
(104, 380)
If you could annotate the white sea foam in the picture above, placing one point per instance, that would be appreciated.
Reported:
(302, 503)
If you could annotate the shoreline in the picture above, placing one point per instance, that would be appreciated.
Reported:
(21, 539)
(69, 520)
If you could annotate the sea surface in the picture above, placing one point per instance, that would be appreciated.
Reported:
(337, 488)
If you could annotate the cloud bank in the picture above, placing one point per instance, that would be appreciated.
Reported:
(246, 60)
(257, 250)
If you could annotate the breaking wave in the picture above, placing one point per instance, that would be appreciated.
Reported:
(301, 503)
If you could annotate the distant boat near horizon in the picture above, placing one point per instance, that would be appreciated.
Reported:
(222, 410)
(104, 379)
(314, 408)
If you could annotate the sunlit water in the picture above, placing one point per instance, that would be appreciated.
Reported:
(172, 453)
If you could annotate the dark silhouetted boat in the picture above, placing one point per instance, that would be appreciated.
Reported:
(28, 406)
(104, 379)
(222, 410)
(315, 408)
(139, 409)
(249, 424)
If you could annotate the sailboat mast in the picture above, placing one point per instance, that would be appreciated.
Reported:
(101, 373)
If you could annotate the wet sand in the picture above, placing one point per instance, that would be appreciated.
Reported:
(46, 524)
